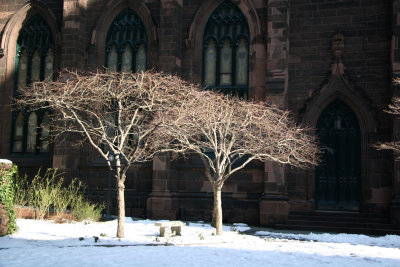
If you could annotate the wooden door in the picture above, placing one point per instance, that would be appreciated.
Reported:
(338, 176)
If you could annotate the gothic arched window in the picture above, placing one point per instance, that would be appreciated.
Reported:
(126, 43)
(34, 61)
(226, 51)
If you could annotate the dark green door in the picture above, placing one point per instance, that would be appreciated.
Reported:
(338, 176)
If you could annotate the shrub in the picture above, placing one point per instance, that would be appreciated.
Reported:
(23, 194)
(44, 192)
(65, 196)
(48, 191)
(83, 209)
(7, 190)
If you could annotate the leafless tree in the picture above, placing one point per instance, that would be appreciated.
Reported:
(113, 112)
(227, 133)
(393, 109)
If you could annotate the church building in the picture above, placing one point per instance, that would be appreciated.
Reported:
(330, 62)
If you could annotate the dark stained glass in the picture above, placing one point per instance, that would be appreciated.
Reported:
(242, 63)
(44, 144)
(210, 63)
(226, 64)
(22, 69)
(127, 59)
(32, 132)
(141, 58)
(113, 58)
(49, 65)
(18, 132)
(36, 66)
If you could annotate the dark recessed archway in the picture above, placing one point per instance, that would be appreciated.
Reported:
(338, 177)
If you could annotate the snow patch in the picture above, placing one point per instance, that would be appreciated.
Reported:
(5, 161)
(45, 243)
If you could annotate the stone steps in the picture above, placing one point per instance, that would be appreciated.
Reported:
(340, 222)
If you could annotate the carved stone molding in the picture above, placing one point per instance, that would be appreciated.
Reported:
(259, 38)
(189, 43)
(338, 67)
(338, 44)
(338, 84)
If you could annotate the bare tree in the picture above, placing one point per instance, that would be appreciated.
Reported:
(113, 112)
(227, 133)
(393, 109)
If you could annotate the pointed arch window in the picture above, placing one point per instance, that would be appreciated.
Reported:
(226, 51)
(34, 61)
(126, 43)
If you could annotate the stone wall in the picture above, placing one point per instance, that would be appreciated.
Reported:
(366, 28)
(181, 191)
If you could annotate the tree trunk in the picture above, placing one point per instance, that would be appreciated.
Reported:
(213, 223)
(121, 198)
(218, 210)
(121, 210)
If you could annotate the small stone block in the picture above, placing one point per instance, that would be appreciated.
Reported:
(174, 226)
(162, 231)
(176, 230)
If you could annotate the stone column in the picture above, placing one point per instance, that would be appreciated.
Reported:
(170, 33)
(277, 52)
(73, 34)
(274, 206)
(160, 202)
(66, 154)
(395, 56)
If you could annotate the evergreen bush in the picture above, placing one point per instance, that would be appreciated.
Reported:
(7, 190)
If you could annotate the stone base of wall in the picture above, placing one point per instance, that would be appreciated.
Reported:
(273, 211)
(198, 207)
(25, 212)
(306, 205)
(375, 207)
(395, 211)
(159, 206)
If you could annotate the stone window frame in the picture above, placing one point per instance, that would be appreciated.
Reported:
(8, 43)
(127, 21)
(257, 45)
(34, 36)
(97, 55)
(218, 21)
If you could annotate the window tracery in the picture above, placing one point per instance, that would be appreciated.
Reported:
(226, 50)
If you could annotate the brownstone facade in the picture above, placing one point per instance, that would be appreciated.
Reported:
(303, 55)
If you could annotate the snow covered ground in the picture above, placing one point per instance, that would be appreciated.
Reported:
(44, 243)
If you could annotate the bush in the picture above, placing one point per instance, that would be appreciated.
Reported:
(48, 191)
(44, 192)
(83, 209)
(7, 190)
(22, 190)
(64, 196)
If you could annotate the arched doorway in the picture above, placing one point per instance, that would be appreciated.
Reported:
(337, 178)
